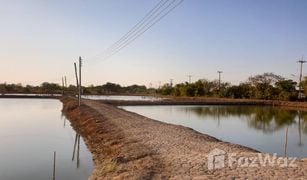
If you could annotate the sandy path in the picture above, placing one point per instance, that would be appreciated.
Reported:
(149, 149)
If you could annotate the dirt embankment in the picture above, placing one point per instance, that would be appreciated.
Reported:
(211, 101)
(114, 153)
(126, 145)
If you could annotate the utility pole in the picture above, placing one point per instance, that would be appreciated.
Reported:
(301, 61)
(171, 82)
(62, 86)
(189, 76)
(65, 80)
(80, 85)
(77, 81)
(220, 72)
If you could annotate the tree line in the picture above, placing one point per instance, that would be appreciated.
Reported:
(266, 86)
(54, 88)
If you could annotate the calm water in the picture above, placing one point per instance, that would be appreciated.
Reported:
(123, 98)
(261, 128)
(20, 94)
(30, 131)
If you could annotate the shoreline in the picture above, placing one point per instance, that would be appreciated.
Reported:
(128, 145)
(209, 101)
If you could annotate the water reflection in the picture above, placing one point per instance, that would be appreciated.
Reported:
(122, 97)
(302, 126)
(63, 118)
(35, 126)
(76, 145)
(267, 129)
(268, 119)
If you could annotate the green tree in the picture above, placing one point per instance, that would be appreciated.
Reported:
(239, 91)
(51, 88)
(200, 90)
(286, 89)
(166, 89)
(304, 85)
(111, 88)
(208, 86)
(2, 89)
(264, 85)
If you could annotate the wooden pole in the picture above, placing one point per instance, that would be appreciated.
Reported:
(80, 82)
(299, 129)
(54, 158)
(65, 80)
(219, 81)
(301, 61)
(62, 86)
(77, 81)
(78, 152)
(74, 152)
(286, 143)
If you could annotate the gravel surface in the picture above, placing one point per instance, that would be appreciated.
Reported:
(126, 145)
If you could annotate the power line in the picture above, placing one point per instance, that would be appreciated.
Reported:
(143, 29)
(136, 26)
(139, 26)
(150, 19)
(139, 31)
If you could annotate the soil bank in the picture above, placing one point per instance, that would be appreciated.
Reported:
(210, 101)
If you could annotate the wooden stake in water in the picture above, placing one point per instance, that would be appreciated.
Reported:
(286, 143)
(299, 129)
(64, 122)
(78, 152)
(54, 157)
(75, 144)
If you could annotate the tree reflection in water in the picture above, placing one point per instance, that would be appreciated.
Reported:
(267, 119)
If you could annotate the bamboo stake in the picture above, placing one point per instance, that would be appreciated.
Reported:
(286, 143)
(78, 152)
(54, 158)
(74, 152)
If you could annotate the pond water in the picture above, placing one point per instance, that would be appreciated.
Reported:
(122, 98)
(31, 130)
(261, 128)
(21, 94)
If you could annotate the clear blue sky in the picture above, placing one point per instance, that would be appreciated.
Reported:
(40, 40)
